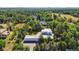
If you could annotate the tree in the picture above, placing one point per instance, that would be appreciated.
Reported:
(10, 36)
(54, 16)
(2, 44)
(2, 18)
(43, 47)
(36, 48)
(26, 48)
(72, 44)
(18, 47)
(62, 45)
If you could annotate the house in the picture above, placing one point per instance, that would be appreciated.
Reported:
(46, 33)
(43, 23)
(31, 39)
(35, 17)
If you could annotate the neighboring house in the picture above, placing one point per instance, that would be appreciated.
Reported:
(43, 23)
(46, 33)
(3, 32)
(35, 17)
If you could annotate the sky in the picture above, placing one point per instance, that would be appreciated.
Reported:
(39, 3)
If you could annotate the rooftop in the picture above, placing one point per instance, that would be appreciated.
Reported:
(31, 38)
(46, 30)
(4, 32)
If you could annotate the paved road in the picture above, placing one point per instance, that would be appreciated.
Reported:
(30, 45)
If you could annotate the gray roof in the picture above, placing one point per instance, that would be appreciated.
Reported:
(31, 38)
